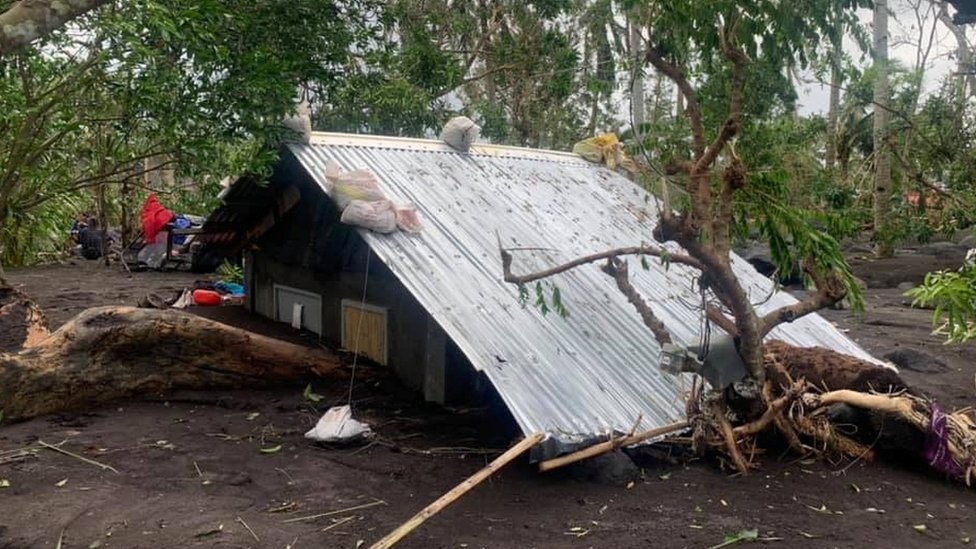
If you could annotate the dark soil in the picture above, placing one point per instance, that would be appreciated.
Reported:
(191, 471)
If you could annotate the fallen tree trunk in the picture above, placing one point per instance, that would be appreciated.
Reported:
(22, 323)
(107, 353)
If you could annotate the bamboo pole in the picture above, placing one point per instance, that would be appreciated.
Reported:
(395, 536)
(610, 445)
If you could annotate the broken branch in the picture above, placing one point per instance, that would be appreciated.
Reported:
(618, 270)
(76, 456)
(655, 251)
(830, 290)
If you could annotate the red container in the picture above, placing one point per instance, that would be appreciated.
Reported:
(206, 297)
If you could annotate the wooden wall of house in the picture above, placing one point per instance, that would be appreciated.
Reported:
(308, 249)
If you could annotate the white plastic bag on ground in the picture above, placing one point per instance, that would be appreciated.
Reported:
(184, 301)
(460, 132)
(407, 219)
(354, 185)
(378, 215)
(338, 425)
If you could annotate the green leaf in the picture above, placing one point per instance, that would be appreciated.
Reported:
(739, 537)
(523, 295)
(309, 395)
(271, 450)
(557, 302)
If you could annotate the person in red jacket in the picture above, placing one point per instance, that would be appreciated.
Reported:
(154, 218)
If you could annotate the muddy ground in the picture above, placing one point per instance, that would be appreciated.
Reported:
(191, 471)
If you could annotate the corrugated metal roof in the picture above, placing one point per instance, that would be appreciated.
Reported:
(573, 378)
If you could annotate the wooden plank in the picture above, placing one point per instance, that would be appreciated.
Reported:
(450, 497)
(611, 445)
(364, 332)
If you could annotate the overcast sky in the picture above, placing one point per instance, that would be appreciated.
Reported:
(903, 37)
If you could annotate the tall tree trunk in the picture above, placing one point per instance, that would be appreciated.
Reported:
(964, 55)
(833, 112)
(125, 205)
(882, 156)
(103, 221)
(637, 102)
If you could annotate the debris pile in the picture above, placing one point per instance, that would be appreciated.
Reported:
(808, 398)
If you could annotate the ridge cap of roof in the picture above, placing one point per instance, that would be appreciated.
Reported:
(435, 145)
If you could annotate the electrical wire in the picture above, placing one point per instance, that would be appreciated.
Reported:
(359, 327)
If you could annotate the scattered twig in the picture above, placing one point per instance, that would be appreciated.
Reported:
(255, 536)
(197, 467)
(11, 456)
(373, 503)
(640, 417)
(60, 540)
(287, 506)
(76, 456)
(337, 523)
(283, 472)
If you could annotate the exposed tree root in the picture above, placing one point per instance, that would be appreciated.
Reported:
(800, 398)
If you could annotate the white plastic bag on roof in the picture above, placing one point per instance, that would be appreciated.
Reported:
(460, 133)
(344, 187)
(407, 219)
(377, 215)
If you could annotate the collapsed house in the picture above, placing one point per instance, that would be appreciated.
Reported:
(433, 306)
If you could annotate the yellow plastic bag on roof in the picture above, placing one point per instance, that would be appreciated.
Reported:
(605, 149)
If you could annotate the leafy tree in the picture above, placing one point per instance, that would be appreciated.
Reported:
(22, 22)
(713, 51)
(181, 81)
(537, 73)
(953, 294)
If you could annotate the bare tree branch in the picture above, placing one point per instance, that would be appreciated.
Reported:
(618, 270)
(719, 319)
(830, 290)
(692, 108)
(633, 250)
(28, 20)
(731, 125)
